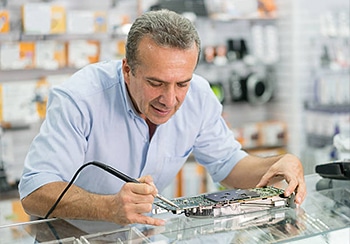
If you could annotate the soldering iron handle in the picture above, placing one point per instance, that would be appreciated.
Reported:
(116, 173)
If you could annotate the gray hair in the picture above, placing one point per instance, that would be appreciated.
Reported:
(166, 28)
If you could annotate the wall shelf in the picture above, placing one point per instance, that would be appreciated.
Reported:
(225, 17)
(330, 108)
(12, 75)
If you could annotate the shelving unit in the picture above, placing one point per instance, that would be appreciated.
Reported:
(18, 86)
(102, 23)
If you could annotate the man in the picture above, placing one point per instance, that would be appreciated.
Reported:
(144, 116)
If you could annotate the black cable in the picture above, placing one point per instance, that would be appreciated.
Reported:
(103, 166)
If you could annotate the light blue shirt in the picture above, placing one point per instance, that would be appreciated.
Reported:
(90, 117)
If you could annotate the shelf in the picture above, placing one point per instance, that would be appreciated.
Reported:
(318, 141)
(12, 75)
(226, 17)
(328, 108)
(18, 36)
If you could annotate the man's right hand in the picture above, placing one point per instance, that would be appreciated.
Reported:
(132, 203)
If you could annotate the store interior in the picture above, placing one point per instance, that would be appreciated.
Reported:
(280, 68)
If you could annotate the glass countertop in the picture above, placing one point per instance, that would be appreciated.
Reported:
(324, 217)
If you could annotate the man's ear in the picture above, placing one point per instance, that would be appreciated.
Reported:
(126, 70)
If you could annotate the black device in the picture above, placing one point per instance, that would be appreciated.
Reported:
(236, 49)
(253, 88)
(338, 170)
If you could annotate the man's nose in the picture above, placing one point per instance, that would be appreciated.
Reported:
(168, 97)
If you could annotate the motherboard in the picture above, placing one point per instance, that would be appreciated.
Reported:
(227, 202)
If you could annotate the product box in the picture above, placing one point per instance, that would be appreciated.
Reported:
(83, 52)
(58, 20)
(248, 135)
(50, 54)
(4, 21)
(17, 55)
(80, 22)
(43, 18)
(265, 134)
(86, 22)
(18, 102)
(113, 49)
(40, 96)
(267, 8)
(41, 91)
(100, 22)
(273, 134)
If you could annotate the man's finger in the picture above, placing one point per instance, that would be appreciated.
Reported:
(142, 188)
(301, 193)
(265, 179)
(292, 185)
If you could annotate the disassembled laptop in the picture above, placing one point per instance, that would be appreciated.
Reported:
(227, 202)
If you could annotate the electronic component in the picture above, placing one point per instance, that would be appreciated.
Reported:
(339, 170)
(227, 202)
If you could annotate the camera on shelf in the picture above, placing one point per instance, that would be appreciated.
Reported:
(254, 85)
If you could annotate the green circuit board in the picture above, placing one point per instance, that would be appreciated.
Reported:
(220, 198)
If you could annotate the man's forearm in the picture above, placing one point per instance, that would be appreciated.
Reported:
(249, 170)
(76, 203)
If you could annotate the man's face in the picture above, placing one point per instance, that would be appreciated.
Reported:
(161, 79)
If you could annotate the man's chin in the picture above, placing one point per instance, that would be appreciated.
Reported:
(158, 120)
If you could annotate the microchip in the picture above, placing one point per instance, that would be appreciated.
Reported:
(232, 195)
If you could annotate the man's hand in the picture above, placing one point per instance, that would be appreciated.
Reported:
(133, 201)
(253, 171)
(290, 168)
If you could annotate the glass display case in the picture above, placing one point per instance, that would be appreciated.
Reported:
(324, 217)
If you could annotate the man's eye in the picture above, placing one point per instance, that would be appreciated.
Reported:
(182, 84)
(155, 83)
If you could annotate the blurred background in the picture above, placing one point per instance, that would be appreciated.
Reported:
(279, 67)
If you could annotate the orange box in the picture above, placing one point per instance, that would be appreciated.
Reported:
(4, 21)
(58, 20)
(83, 52)
(50, 54)
(100, 22)
(27, 54)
